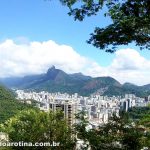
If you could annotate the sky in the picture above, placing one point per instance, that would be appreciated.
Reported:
(36, 34)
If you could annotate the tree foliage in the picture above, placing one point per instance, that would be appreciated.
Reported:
(38, 126)
(130, 21)
(137, 113)
(118, 134)
(9, 106)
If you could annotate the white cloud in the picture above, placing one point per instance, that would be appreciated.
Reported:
(130, 66)
(19, 59)
(129, 59)
(127, 66)
(37, 57)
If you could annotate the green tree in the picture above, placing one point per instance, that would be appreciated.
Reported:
(118, 134)
(80, 129)
(145, 121)
(130, 21)
(38, 126)
(141, 115)
(137, 113)
(9, 106)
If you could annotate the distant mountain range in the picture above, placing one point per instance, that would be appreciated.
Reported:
(56, 80)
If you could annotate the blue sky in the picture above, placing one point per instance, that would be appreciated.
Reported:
(44, 20)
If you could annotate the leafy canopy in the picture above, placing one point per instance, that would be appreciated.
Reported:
(120, 133)
(9, 106)
(38, 126)
(130, 21)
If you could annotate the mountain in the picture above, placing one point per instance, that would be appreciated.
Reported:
(141, 91)
(146, 87)
(56, 80)
(9, 106)
(80, 76)
(6, 93)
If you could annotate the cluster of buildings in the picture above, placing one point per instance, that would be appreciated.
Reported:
(98, 108)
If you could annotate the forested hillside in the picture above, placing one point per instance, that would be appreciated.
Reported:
(9, 106)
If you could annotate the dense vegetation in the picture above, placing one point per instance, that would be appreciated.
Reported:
(9, 106)
(39, 126)
(120, 133)
(137, 113)
(141, 115)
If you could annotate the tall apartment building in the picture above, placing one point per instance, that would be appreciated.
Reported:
(68, 108)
